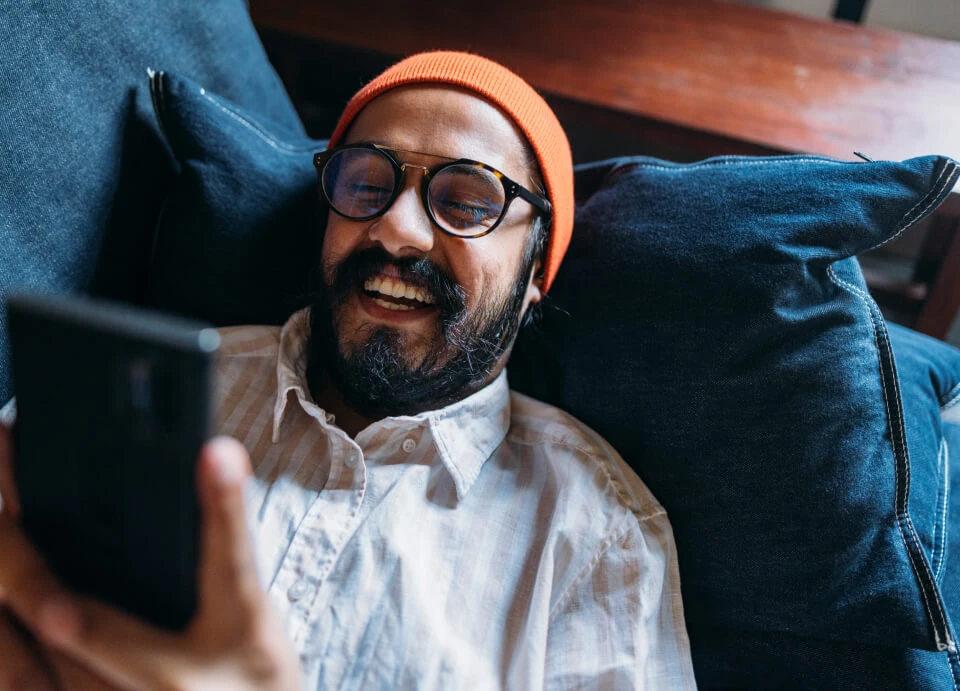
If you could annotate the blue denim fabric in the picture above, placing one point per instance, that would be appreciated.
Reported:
(84, 168)
(781, 661)
(929, 374)
(237, 237)
(950, 570)
(709, 322)
(950, 579)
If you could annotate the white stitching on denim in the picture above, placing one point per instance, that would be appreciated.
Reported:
(904, 517)
(901, 518)
(935, 196)
(257, 128)
(927, 195)
(940, 188)
(944, 458)
(156, 99)
(626, 166)
(947, 167)
(936, 552)
(953, 673)
(951, 399)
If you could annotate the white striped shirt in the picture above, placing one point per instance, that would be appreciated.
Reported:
(495, 543)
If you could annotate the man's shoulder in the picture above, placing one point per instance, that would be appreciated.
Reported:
(536, 422)
(246, 364)
(579, 457)
(248, 341)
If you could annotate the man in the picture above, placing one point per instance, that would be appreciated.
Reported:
(418, 525)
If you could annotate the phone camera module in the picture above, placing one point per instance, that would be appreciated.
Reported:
(139, 380)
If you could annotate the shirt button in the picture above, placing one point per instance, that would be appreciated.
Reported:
(352, 459)
(299, 588)
(408, 445)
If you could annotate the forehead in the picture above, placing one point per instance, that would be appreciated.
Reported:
(445, 121)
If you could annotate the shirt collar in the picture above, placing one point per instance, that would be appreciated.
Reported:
(465, 433)
(291, 365)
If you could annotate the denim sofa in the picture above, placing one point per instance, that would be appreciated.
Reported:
(720, 337)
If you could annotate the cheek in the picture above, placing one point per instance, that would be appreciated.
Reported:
(340, 239)
(486, 269)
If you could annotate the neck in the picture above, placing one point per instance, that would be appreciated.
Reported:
(327, 396)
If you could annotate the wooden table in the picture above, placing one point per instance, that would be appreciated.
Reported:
(712, 77)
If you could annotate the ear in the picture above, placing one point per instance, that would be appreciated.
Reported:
(535, 286)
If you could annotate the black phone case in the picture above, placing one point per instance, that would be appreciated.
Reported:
(113, 406)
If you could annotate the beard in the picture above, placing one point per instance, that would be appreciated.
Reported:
(375, 374)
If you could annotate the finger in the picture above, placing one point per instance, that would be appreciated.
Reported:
(29, 588)
(72, 676)
(8, 488)
(230, 595)
(125, 652)
(22, 665)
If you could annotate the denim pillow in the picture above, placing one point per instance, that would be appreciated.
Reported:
(236, 238)
(84, 167)
(710, 322)
(930, 388)
(768, 658)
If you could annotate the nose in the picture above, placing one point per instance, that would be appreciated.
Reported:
(405, 229)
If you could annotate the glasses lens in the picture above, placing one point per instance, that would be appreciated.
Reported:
(465, 199)
(358, 183)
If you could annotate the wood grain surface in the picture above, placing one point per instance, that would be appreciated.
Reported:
(770, 79)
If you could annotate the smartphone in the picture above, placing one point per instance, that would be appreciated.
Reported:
(113, 406)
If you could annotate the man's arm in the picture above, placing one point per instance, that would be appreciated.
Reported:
(620, 625)
(235, 640)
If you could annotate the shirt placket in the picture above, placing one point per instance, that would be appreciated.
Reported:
(319, 539)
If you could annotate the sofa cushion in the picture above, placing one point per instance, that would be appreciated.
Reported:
(711, 322)
(236, 238)
(931, 369)
(84, 168)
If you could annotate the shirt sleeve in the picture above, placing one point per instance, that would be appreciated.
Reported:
(620, 625)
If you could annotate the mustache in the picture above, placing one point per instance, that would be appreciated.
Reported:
(352, 272)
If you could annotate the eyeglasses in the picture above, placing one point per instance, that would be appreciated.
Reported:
(464, 198)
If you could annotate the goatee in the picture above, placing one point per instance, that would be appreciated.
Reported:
(376, 377)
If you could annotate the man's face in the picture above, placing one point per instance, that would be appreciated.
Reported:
(390, 355)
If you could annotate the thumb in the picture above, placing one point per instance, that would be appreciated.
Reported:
(9, 500)
(229, 595)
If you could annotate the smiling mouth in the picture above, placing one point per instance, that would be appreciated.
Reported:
(394, 294)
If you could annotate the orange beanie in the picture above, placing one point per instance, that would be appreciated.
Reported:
(513, 96)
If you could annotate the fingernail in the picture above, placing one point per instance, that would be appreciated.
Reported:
(59, 619)
(229, 469)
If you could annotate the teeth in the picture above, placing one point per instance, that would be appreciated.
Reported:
(393, 306)
(396, 288)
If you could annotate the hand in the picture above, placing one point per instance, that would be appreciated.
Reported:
(25, 663)
(235, 641)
